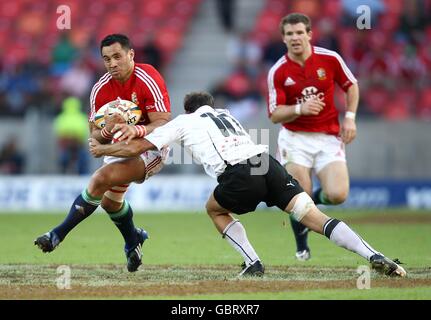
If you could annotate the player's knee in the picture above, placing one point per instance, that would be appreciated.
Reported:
(99, 183)
(302, 206)
(337, 196)
(210, 209)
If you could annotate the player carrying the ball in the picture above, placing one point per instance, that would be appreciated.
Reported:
(145, 87)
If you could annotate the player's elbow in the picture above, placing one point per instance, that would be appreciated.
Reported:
(275, 118)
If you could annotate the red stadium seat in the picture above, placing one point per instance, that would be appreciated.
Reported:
(394, 6)
(396, 110)
(155, 9)
(332, 9)
(376, 99)
(268, 22)
(10, 9)
(168, 40)
(32, 23)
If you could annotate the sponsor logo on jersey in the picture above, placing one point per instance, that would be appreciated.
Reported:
(321, 74)
(135, 98)
(150, 107)
(289, 82)
(310, 93)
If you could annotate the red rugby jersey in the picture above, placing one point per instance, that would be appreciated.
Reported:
(145, 87)
(290, 83)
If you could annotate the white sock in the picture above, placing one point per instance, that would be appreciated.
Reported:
(236, 236)
(340, 233)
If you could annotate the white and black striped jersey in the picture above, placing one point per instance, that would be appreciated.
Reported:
(212, 136)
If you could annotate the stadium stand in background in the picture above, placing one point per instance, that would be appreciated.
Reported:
(40, 65)
(392, 62)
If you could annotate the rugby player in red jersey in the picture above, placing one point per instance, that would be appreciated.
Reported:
(301, 97)
(143, 85)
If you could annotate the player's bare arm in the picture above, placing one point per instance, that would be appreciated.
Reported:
(157, 119)
(120, 149)
(111, 121)
(128, 133)
(285, 113)
(348, 126)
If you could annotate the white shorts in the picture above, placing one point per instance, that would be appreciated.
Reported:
(309, 149)
(154, 161)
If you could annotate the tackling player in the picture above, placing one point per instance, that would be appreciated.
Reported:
(143, 85)
(301, 97)
(247, 175)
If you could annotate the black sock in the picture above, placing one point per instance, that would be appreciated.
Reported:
(300, 236)
(83, 206)
(319, 197)
(123, 219)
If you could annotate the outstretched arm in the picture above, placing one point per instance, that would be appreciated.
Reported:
(132, 149)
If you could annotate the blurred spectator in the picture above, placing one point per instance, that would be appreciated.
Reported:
(239, 94)
(327, 35)
(226, 10)
(77, 80)
(379, 65)
(244, 53)
(413, 21)
(149, 53)
(11, 159)
(63, 54)
(71, 130)
(273, 50)
(412, 69)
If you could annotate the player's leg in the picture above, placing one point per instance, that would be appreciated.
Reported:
(119, 210)
(303, 209)
(82, 207)
(331, 169)
(87, 202)
(297, 151)
(303, 176)
(233, 231)
(334, 184)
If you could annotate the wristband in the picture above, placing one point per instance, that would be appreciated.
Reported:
(141, 131)
(106, 134)
(298, 109)
(350, 115)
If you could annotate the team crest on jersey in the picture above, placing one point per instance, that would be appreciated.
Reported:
(135, 98)
(321, 74)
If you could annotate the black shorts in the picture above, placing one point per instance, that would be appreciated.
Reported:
(261, 178)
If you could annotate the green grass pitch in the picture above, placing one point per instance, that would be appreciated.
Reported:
(186, 258)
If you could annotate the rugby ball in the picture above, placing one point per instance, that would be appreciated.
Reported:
(127, 109)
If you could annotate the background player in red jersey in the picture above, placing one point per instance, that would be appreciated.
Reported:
(301, 97)
(143, 85)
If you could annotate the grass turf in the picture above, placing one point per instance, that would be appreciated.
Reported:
(189, 240)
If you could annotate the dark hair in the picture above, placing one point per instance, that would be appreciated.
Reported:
(114, 38)
(195, 100)
(295, 18)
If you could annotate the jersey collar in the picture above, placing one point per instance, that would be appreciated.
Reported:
(307, 61)
(203, 109)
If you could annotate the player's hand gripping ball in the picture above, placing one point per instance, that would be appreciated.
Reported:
(127, 109)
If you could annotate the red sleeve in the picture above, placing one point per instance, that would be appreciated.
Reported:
(276, 94)
(154, 88)
(96, 99)
(342, 74)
